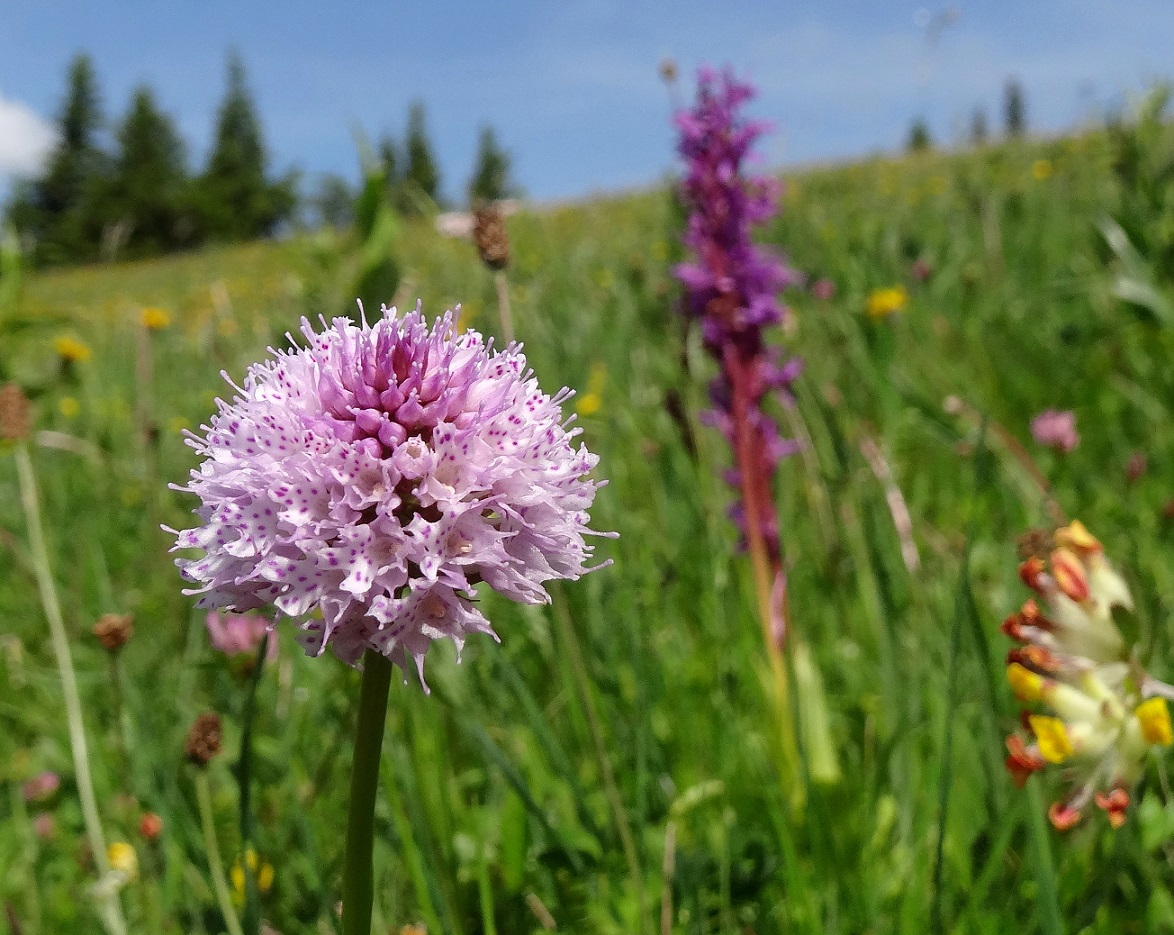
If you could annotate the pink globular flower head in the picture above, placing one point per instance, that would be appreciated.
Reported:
(41, 788)
(365, 484)
(236, 634)
(1054, 428)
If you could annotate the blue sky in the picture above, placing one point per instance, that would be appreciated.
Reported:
(572, 86)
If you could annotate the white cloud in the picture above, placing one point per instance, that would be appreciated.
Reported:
(26, 139)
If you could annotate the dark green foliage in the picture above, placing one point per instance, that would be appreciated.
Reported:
(237, 200)
(139, 200)
(1014, 109)
(421, 179)
(57, 210)
(491, 174)
(147, 201)
(919, 138)
(1142, 152)
(391, 161)
(334, 204)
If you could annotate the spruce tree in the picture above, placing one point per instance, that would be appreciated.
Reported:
(491, 173)
(59, 209)
(1014, 109)
(146, 199)
(389, 160)
(919, 138)
(421, 177)
(237, 200)
(978, 128)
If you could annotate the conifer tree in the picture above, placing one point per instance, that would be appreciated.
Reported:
(389, 159)
(491, 173)
(978, 128)
(58, 209)
(421, 176)
(919, 137)
(1014, 109)
(146, 199)
(237, 199)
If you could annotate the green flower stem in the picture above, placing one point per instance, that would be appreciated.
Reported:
(252, 923)
(358, 885)
(109, 908)
(212, 846)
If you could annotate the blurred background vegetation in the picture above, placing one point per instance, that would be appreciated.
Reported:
(610, 767)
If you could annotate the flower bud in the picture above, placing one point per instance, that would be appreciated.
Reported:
(203, 741)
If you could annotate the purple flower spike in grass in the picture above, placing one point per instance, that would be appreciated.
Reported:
(365, 485)
(731, 288)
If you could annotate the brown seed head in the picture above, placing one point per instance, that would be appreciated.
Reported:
(203, 741)
(114, 630)
(668, 70)
(489, 234)
(1035, 543)
(14, 413)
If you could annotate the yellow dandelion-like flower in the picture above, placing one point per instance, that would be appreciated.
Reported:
(884, 302)
(122, 857)
(70, 349)
(1041, 169)
(155, 319)
(68, 407)
(262, 871)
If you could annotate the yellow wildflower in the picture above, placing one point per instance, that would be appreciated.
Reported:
(591, 401)
(68, 407)
(884, 302)
(70, 349)
(1055, 745)
(263, 872)
(122, 857)
(155, 319)
(1154, 718)
(1041, 169)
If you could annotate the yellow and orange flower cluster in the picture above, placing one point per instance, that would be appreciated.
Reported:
(1105, 712)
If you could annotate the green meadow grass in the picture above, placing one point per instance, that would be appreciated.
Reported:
(635, 709)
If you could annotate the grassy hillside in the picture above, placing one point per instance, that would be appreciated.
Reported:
(552, 769)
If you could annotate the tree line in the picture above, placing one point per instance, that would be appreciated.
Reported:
(1014, 121)
(137, 197)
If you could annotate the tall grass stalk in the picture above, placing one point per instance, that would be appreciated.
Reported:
(109, 907)
(212, 848)
(252, 920)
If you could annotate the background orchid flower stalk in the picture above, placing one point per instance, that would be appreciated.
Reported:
(731, 288)
(1104, 713)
